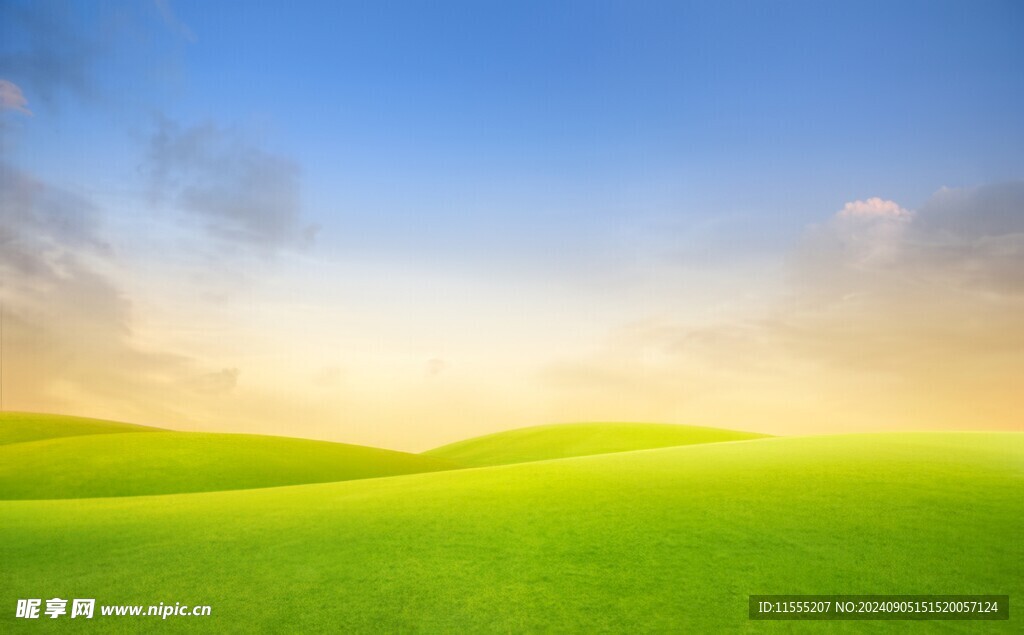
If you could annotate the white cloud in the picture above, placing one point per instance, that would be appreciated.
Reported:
(873, 208)
(864, 234)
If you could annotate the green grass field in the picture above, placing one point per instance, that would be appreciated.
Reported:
(18, 427)
(650, 541)
(176, 462)
(560, 441)
(659, 540)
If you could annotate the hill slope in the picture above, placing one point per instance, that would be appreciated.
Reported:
(558, 441)
(173, 462)
(17, 427)
(669, 540)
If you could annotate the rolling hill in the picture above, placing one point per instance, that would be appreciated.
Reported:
(174, 462)
(18, 427)
(664, 540)
(559, 441)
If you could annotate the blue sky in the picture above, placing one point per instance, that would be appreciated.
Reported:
(524, 111)
(648, 155)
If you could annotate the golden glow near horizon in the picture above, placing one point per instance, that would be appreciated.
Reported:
(876, 322)
(387, 242)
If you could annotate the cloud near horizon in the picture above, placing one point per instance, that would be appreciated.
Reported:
(965, 240)
(892, 319)
(68, 330)
(71, 300)
(69, 323)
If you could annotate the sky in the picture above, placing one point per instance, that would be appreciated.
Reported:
(405, 223)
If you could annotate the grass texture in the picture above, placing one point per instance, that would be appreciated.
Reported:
(175, 462)
(651, 541)
(18, 427)
(559, 441)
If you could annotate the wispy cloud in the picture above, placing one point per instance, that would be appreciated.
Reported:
(47, 54)
(69, 339)
(68, 324)
(11, 98)
(241, 193)
(892, 318)
(172, 22)
(967, 240)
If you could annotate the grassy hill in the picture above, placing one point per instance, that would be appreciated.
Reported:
(17, 427)
(559, 441)
(173, 462)
(668, 540)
